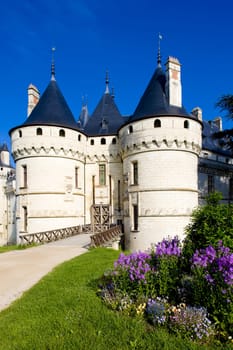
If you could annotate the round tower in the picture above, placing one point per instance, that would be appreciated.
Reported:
(48, 150)
(160, 147)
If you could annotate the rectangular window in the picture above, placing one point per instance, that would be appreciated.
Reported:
(102, 174)
(210, 183)
(24, 182)
(135, 173)
(231, 188)
(93, 189)
(76, 177)
(110, 189)
(119, 195)
(135, 217)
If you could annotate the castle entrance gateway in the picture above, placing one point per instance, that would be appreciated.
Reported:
(100, 217)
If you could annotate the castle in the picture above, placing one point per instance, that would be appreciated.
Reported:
(146, 172)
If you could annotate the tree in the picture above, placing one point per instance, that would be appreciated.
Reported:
(225, 103)
(209, 224)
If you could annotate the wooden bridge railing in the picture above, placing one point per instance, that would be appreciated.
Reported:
(54, 235)
(105, 237)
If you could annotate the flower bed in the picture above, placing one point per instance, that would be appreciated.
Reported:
(155, 285)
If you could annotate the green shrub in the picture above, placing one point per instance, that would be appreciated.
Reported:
(209, 224)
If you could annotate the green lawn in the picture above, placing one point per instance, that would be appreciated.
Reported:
(63, 312)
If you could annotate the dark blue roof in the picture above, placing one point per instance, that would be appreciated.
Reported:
(4, 147)
(106, 118)
(154, 100)
(209, 142)
(52, 109)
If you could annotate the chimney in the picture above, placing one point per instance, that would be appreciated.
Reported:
(173, 84)
(33, 98)
(197, 112)
(218, 122)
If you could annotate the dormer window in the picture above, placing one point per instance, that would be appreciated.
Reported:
(186, 124)
(39, 131)
(157, 123)
(62, 133)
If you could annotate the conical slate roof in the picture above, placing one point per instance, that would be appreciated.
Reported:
(154, 100)
(4, 147)
(106, 118)
(52, 109)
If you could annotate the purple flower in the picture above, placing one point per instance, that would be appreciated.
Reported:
(217, 264)
(135, 264)
(168, 247)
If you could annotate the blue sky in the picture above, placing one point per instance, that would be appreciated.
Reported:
(119, 36)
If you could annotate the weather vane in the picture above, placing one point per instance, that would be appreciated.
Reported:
(160, 38)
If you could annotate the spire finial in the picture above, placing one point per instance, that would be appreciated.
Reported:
(159, 54)
(53, 64)
(107, 82)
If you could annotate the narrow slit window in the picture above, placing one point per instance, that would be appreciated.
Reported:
(25, 219)
(186, 124)
(135, 217)
(135, 173)
(25, 175)
(76, 177)
(130, 129)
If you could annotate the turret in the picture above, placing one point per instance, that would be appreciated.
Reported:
(5, 155)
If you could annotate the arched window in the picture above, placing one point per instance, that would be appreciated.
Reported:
(114, 141)
(79, 137)
(157, 123)
(39, 131)
(62, 133)
(20, 133)
(103, 141)
(92, 142)
(130, 129)
(186, 124)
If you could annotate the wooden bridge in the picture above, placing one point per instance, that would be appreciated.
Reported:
(104, 236)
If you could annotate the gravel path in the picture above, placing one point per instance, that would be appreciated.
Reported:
(21, 269)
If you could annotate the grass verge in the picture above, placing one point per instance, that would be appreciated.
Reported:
(63, 312)
(8, 248)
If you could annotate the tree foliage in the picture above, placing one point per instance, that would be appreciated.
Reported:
(209, 224)
(225, 103)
